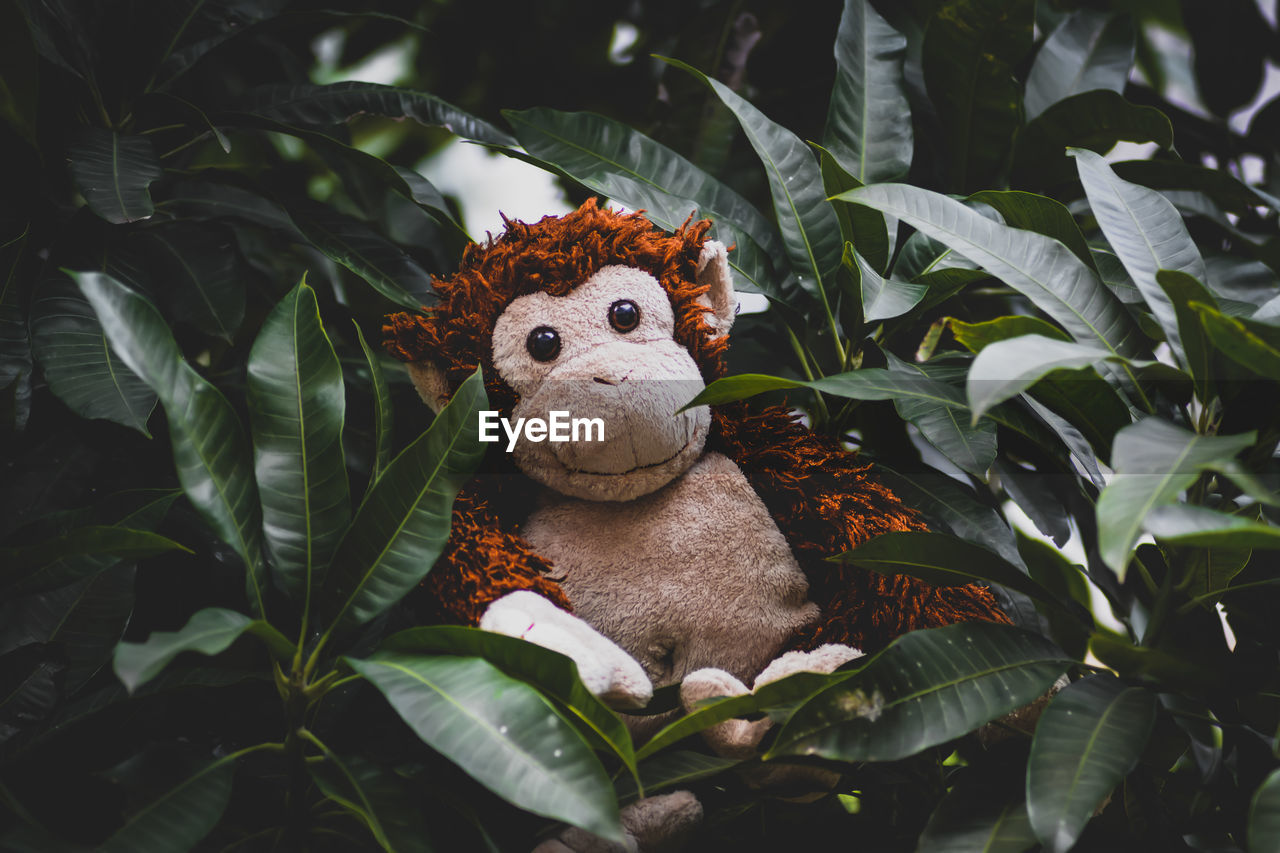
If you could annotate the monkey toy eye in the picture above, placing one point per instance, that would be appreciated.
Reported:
(624, 315)
(543, 343)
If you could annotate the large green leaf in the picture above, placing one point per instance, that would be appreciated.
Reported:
(1006, 368)
(114, 173)
(85, 618)
(1251, 343)
(403, 524)
(551, 672)
(860, 226)
(1181, 290)
(925, 689)
(202, 25)
(382, 411)
(1089, 50)
(1154, 461)
(203, 281)
(376, 796)
(616, 161)
(967, 821)
(1183, 524)
(181, 816)
(941, 560)
(1039, 267)
(941, 498)
(970, 50)
(337, 103)
(1094, 120)
(1040, 214)
(365, 252)
(1264, 816)
(1146, 233)
(78, 364)
(51, 563)
(501, 731)
(939, 410)
(1226, 191)
(209, 447)
(677, 767)
(810, 230)
(1088, 738)
(869, 118)
(208, 632)
(296, 410)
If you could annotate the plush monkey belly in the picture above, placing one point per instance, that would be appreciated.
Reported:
(694, 575)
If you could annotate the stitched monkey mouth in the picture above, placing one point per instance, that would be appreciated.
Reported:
(630, 470)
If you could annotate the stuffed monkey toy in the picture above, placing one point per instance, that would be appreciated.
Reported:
(680, 546)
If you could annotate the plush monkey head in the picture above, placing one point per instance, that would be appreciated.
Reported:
(595, 314)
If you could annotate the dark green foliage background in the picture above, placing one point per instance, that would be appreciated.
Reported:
(957, 287)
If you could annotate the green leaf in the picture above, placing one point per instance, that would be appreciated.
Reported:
(1254, 344)
(1183, 524)
(501, 731)
(679, 767)
(551, 672)
(936, 408)
(929, 687)
(1154, 461)
(376, 796)
(209, 200)
(1041, 268)
(181, 816)
(32, 568)
(382, 412)
(968, 822)
(404, 521)
(976, 336)
(202, 25)
(810, 230)
(338, 103)
(612, 159)
(296, 410)
(943, 499)
(970, 50)
(209, 447)
(356, 246)
(208, 632)
(78, 364)
(869, 118)
(1006, 368)
(1040, 214)
(1089, 737)
(1094, 120)
(884, 298)
(114, 172)
(941, 560)
(85, 618)
(1089, 50)
(1264, 816)
(1226, 191)
(1181, 290)
(1147, 234)
(203, 280)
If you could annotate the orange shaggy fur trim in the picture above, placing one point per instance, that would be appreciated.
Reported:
(826, 503)
(481, 562)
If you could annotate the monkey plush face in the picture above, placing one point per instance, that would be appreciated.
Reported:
(605, 350)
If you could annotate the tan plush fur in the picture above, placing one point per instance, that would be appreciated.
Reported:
(692, 576)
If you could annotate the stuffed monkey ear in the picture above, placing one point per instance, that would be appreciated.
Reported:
(713, 270)
(428, 377)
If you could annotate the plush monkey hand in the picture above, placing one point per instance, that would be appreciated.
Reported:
(606, 670)
(739, 738)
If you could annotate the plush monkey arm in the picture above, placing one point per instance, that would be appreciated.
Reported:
(491, 578)
(825, 502)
